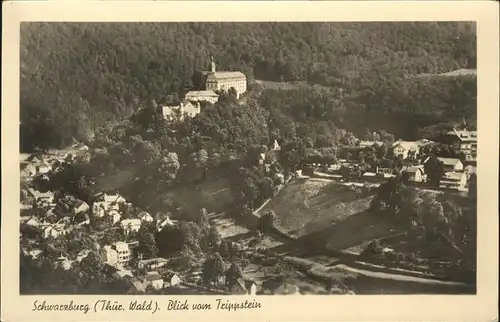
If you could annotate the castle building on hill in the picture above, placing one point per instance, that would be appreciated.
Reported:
(216, 81)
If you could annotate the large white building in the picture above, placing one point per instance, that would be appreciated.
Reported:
(465, 142)
(217, 81)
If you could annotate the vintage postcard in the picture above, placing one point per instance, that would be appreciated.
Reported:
(230, 161)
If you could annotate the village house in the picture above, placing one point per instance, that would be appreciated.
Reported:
(63, 262)
(165, 222)
(179, 111)
(416, 173)
(243, 287)
(405, 149)
(80, 206)
(154, 279)
(123, 273)
(54, 231)
(110, 199)
(171, 279)
(124, 253)
(109, 255)
(33, 253)
(464, 141)
(131, 225)
(452, 164)
(370, 177)
(99, 209)
(152, 264)
(453, 180)
(145, 217)
(42, 197)
(114, 216)
(33, 222)
(369, 144)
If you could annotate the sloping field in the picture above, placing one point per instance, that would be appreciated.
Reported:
(306, 206)
(321, 213)
(215, 196)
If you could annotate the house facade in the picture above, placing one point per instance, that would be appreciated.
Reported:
(131, 225)
(152, 264)
(452, 164)
(406, 149)
(454, 181)
(172, 279)
(416, 174)
(201, 96)
(464, 141)
(109, 255)
(123, 252)
(154, 279)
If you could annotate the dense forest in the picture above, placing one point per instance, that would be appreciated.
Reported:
(78, 79)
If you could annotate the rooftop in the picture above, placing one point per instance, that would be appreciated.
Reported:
(153, 260)
(201, 93)
(223, 75)
(449, 161)
(454, 176)
(153, 276)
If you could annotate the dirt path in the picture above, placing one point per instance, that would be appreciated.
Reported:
(398, 277)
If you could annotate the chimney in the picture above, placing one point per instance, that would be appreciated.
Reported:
(198, 108)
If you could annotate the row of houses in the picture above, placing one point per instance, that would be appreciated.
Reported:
(39, 164)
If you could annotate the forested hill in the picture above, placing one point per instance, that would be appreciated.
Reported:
(77, 76)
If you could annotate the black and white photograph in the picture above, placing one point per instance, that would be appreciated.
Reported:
(248, 158)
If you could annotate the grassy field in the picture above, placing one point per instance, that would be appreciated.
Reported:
(318, 212)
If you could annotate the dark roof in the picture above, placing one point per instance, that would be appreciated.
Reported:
(153, 277)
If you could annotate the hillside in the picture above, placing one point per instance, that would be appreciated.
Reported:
(78, 77)
(318, 212)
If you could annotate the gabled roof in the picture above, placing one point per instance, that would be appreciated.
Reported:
(226, 75)
(407, 145)
(170, 275)
(200, 93)
(453, 176)
(450, 161)
(153, 276)
(413, 169)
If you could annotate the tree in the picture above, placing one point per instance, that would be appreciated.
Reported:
(473, 186)
(213, 238)
(213, 270)
(267, 221)
(233, 274)
(147, 242)
(435, 170)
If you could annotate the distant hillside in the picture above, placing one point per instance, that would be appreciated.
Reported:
(77, 77)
